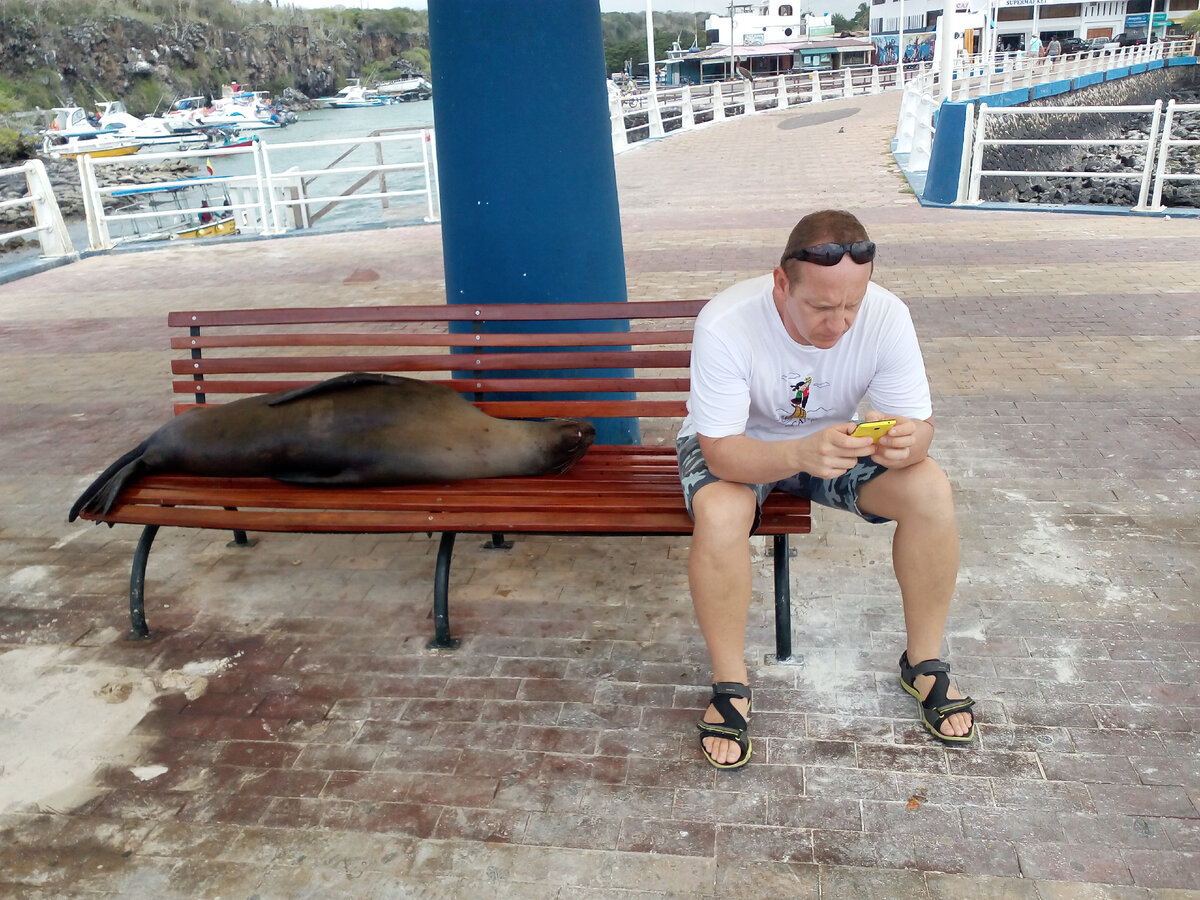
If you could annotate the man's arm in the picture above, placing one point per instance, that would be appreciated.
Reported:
(827, 453)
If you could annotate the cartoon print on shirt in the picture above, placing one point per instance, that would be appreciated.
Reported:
(801, 388)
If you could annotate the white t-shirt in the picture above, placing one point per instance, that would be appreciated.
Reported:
(749, 375)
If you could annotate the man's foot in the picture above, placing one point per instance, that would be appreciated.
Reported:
(944, 711)
(724, 731)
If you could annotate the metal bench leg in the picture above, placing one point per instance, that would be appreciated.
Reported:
(497, 542)
(441, 595)
(783, 601)
(137, 586)
(240, 539)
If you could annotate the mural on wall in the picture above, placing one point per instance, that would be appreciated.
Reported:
(918, 47)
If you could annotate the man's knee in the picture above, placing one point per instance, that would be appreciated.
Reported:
(921, 489)
(724, 507)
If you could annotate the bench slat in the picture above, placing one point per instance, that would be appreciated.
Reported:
(445, 362)
(424, 339)
(677, 385)
(496, 312)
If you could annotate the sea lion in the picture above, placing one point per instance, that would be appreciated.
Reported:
(357, 429)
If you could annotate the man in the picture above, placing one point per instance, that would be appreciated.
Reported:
(816, 319)
(1035, 47)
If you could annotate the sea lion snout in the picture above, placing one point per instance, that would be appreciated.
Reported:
(574, 437)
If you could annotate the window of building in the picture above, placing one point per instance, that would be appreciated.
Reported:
(1061, 11)
(1014, 13)
(785, 10)
(931, 17)
(1180, 5)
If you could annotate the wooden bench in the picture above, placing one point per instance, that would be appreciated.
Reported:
(567, 369)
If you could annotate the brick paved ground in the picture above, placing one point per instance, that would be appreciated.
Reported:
(309, 745)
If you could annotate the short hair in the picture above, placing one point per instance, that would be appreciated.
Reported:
(826, 226)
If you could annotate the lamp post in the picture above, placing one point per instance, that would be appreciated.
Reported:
(650, 53)
(732, 58)
(900, 48)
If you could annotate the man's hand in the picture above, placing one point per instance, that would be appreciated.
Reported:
(833, 451)
(895, 449)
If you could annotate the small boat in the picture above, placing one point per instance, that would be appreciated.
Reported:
(73, 133)
(215, 228)
(185, 208)
(353, 96)
(414, 87)
(248, 110)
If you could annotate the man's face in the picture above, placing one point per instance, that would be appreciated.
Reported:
(820, 306)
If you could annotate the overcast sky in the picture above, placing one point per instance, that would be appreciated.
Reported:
(845, 7)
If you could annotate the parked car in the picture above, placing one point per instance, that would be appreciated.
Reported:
(1131, 38)
(1104, 44)
(1075, 45)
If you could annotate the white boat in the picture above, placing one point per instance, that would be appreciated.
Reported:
(248, 110)
(151, 131)
(353, 96)
(414, 87)
(73, 133)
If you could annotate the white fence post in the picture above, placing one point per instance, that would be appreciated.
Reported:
(1164, 148)
(688, 115)
(781, 88)
(748, 97)
(52, 231)
(616, 113)
(875, 89)
(1148, 168)
(93, 207)
(718, 102)
(816, 87)
(654, 115)
(977, 155)
(922, 142)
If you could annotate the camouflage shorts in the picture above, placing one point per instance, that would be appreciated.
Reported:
(837, 493)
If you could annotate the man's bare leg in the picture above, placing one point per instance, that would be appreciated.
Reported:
(925, 557)
(719, 574)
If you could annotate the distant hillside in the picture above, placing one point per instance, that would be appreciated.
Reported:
(149, 52)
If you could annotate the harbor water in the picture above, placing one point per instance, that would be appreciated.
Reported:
(335, 162)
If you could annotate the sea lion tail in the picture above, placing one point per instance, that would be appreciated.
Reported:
(102, 492)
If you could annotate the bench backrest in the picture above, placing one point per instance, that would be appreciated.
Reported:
(570, 366)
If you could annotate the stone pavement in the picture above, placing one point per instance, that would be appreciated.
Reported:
(288, 735)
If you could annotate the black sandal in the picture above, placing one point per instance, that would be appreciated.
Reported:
(733, 725)
(936, 708)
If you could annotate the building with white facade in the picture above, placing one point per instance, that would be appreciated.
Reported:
(765, 38)
(1016, 21)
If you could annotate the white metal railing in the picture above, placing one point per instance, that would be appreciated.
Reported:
(1144, 145)
(689, 106)
(48, 228)
(979, 75)
(1165, 144)
(264, 197)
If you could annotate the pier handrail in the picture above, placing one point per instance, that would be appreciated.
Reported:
(1146, 145)
(48, 226)
(271, 199)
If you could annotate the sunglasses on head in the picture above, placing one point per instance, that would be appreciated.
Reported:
(831, 254)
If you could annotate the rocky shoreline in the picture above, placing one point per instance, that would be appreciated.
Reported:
(1085, 191)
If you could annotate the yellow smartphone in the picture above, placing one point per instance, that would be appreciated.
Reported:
(874, 430)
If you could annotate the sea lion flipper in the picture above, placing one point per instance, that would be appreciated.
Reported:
(101, 493)
(340, 383)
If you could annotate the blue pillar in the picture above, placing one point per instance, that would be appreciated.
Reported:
(524, 148)
(946, 157)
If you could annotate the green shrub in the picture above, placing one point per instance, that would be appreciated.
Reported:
(16, 147)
